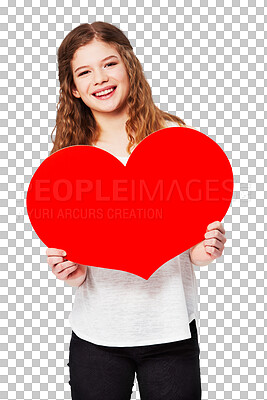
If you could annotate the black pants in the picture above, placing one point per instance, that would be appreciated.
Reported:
(167, 371)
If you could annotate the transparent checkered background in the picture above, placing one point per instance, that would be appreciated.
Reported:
(205, 63)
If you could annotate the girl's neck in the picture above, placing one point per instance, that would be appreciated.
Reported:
(112, 127)
(113, 136)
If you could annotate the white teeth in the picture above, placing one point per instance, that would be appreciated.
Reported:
(104, 92)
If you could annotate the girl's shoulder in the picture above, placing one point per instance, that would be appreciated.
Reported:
(173, 123)
(170, 123)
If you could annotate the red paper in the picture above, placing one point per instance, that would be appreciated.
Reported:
(136, 217)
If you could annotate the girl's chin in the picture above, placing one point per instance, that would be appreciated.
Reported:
(106, 109)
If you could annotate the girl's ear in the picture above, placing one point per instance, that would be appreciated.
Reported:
(76, 93)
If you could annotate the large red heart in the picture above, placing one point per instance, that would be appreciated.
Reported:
(136, 217)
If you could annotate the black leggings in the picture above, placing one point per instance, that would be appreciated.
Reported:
(166, 371)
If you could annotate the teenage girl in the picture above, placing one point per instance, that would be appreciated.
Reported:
(123, 324)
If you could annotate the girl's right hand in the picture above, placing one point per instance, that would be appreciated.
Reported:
(64, 270)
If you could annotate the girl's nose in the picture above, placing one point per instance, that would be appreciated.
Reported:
(100, 76)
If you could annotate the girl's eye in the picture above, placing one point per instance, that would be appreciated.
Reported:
(112, 63)
(83, 73)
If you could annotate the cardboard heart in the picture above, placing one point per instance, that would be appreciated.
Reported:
(136, 217)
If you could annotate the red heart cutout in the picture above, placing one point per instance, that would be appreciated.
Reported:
(136, 217)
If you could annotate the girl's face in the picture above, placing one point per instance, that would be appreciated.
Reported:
(93, 70)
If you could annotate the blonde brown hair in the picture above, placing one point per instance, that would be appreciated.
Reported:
(75, 123)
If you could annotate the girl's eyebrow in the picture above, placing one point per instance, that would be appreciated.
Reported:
(104, 59)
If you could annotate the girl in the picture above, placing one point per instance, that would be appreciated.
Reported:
(123, 324)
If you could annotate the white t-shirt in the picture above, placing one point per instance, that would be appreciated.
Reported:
(117, 308)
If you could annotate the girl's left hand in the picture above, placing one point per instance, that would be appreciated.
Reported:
(212, 247)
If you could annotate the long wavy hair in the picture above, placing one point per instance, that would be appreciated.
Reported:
(75, 123)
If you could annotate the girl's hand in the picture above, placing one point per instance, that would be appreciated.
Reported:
(62, 268)
(212, 247)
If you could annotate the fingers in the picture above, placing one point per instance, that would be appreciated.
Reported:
(214, 243)
(215, 239)
(63, 270)
(55, 256)
(215, 253)
(59, 268)
(52, 261)
(215, 234)
(55, 252)
(62, 276)
(216, 225)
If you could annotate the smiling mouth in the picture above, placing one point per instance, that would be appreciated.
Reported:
(105, 96)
